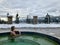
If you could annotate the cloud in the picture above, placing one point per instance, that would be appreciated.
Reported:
(30, 7)
(1, 1)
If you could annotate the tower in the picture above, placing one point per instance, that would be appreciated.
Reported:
(47, 18)
(9, 18)
(35, 19)
(17, 18)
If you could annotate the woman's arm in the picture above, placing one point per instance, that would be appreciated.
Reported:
(13, 33)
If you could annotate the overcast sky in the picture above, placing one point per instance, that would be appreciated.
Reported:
(30, 7)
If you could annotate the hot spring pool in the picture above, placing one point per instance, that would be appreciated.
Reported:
(27, 38)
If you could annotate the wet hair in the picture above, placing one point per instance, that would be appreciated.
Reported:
(12, 28)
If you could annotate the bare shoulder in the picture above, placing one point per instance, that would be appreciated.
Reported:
(12, 32)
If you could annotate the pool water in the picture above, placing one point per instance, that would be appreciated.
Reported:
(27, 40)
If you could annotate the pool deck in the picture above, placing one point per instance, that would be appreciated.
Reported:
(49, 31)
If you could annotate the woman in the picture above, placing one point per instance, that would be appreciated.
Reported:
(13, 33)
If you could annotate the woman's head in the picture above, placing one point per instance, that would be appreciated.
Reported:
(12, 28)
